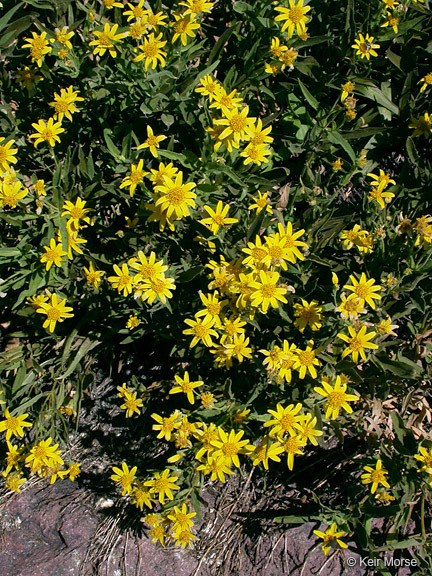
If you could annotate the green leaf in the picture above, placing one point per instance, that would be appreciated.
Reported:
(378, 96)
(217, 48)
(311, 100)
(85, 347)
(5, 19)
(336, 138)
(114, 151)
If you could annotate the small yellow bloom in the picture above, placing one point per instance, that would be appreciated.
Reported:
(375, 476)
(47, 132)
(53, 255)
(365, 46)
(331, 538)
(186, 386)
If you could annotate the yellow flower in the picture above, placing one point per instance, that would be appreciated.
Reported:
(141, 496)
(217, 467)
(256, 154)
(261, 203)
(152, 142)
(14, 481)
(391, 4)
(272, 68)
(182, 520)
(235, 123)
(276, 48)
(36, 300)
(159, 287)
(422, 125)
(11, 194)
(331, 538)
(53, 255)
(266, 293)
(380, 196)
(293, 18)
(288, 58)
(151, 51)
(286, 358)
(285, 420)
(207, 400)
(93, 277)
(55, 310)
(382, 179)
(257, 253)
(308, 313)
(27, 77)
(184, 26)
(375, 476)
(427, 81)
(425, 458)
(186, 386)
(350, 307)
(47, 132)
(132, 322)
(230, 446)
(257, 135)
(63, 54)
(217, 218)
(155, 20)
(39, 46)
(43, 454)
(14, 425)
(64, 104)
(337, 164)
(197, 6)
(163, 485)
(238, 347)
(352, 237)
(135, 177)
(224, 101)
(63, 36)
(201, 331)
(76, 212)
(291, 242)
(307, 430)
(123, 282)
(357, 342)
(39, 186)
(209, 87)
(213, 307)
(305, 360)
(148, 269)
(384, 497)
(110, 4)
(365, 46)
(105, 40)
(132, 404)
(135, 12)
(124, 477)
(346, 89)
(265, 451)
(165, 425)
(292, 445)
(337, 397)
(364, 289)
(7, 154)
(176, 197)
(13, 456)
(392, 21)
(137, 29)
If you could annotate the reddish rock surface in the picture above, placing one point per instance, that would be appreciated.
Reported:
(47, 531)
